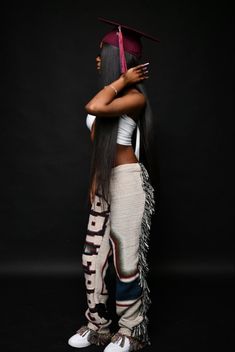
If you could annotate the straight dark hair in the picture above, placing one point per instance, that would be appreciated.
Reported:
(106, 128)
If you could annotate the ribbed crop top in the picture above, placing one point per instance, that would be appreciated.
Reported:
(125, 129)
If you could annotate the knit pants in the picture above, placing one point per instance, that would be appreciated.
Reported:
(120, 227)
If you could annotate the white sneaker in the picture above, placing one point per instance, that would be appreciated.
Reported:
(80, 339)
(122, 344)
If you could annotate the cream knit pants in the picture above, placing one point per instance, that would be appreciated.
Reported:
(120, 227)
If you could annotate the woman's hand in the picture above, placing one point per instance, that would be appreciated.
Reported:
(136, 74)
(92, 190)
(92, 195)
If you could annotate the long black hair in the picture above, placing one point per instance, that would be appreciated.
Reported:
(106, 128)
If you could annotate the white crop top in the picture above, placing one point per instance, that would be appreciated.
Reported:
(125, 129)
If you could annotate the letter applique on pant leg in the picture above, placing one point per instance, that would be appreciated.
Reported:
(97, 249)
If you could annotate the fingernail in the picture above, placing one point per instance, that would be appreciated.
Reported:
(147, 63)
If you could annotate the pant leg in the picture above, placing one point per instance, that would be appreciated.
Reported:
(95, 262)
(131, 207)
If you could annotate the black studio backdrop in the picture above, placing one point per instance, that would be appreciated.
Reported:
(48, 73)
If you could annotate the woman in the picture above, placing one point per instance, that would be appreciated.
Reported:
(121, 196)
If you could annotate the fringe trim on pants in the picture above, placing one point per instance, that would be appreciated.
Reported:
(140, 331)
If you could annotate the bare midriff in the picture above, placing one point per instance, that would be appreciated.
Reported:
(124, 153)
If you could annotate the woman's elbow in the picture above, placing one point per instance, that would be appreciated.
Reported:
(89, 108)
(93, 109)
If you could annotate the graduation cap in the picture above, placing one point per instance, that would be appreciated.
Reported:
(126, 39)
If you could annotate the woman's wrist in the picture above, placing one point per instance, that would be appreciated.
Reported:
(119, 84)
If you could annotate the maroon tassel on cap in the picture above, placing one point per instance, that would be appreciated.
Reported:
(121, 50)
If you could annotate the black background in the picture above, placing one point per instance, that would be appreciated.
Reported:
(48, 75)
